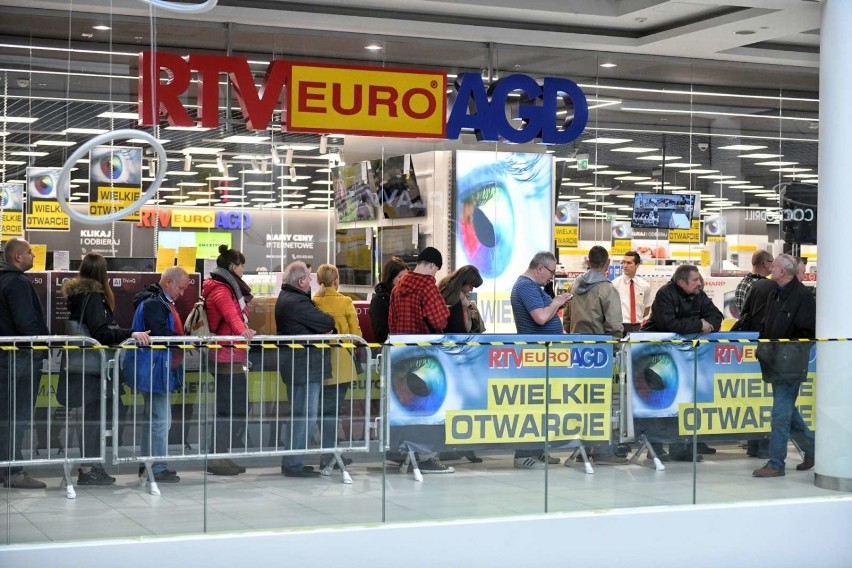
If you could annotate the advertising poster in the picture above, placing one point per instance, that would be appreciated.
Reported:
(731, 399)
(622, 238)
(714, 229)
(567, 224)
(43, 209)
(691, 236)
(496, 230)
(11, 210)
(115, 179)
(464, 395)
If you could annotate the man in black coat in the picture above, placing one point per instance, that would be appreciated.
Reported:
(790, 314)
(302, 370)
(682, 307)
(21, 314)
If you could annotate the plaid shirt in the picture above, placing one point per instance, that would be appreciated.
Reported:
(742, 290)
(417, 306)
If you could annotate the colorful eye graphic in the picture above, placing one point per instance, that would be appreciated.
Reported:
(112, 166)
(419, 384)
(563, 213)
(486, 220)
(619, 231)
(43, 185)
(655, 379)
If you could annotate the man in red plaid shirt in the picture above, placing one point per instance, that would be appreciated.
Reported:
(416, 307)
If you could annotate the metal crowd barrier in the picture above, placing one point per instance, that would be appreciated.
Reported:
(233, 399)
(49, 415)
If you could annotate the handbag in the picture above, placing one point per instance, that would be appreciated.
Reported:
(81, 361)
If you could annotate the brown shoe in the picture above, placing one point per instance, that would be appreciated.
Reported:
(767, 471)
(806, 465)
(23, 481)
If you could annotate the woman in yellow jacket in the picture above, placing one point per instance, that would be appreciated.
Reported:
(343, 369)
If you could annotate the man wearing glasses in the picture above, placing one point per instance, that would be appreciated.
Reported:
(535, 312)
(761, 263)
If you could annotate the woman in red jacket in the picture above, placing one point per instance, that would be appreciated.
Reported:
(226, 298)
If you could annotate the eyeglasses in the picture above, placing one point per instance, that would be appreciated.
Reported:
(552, 272)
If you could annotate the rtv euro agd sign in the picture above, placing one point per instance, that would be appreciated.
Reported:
(370, 101)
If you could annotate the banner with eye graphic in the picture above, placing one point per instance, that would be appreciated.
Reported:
(43, 211)
(451, 394)
(716, 389)
(115, 179)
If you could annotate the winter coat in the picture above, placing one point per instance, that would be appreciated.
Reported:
(80, 292)
(21, 314)
(595, 308)
(379, 307)
(225, 318)
(790, 314)
(674, 311)
(296, 314)
(340, 308)
(146, 369)
(417, 306)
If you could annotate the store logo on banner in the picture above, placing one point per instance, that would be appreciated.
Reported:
(194, 219)
(369, 101)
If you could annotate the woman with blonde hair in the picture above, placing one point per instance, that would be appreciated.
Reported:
(343, 369)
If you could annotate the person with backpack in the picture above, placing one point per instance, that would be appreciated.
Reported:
(90, 303)
(226, 297)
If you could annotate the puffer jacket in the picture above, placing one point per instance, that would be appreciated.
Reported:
(340, 308)
(379, 306)
(153, 370)
(225, 318)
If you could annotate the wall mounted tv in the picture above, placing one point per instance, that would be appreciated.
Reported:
(664, 210)
(396, 184)
(353, 256)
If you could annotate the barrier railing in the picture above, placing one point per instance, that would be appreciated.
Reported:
(52, 404)
(236, 398)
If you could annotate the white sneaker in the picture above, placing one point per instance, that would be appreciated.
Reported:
(529, 463)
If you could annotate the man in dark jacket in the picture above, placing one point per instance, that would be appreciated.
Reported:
(302, 370)
(21, 314)
(790, 314)
(682, 307)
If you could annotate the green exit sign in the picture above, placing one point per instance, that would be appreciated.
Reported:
(583, 162)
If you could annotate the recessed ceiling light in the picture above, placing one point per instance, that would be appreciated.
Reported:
(634, 149)
(605, 140)
(18, 119)
(373, 47)
(745, 147)
(101, 28)
(659, 158)
(28, 153)
(201, 150)
(53, 143)
(127, 115)
(84, 131)
(776, 164)
(608, 65)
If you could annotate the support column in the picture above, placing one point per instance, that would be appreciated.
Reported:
(834, 301)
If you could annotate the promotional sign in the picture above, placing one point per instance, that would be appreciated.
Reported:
(567, 224)
(11, 210)
(670, 393)
(715, 230)
(622, 238)
(687, 236)
(119, 240)
(44, 212)
(494, 230)
(372, 101)
(463, 395)
(115, 179)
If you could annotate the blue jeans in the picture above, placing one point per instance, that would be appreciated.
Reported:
(155, 427)
(787, 422)
(304, 402)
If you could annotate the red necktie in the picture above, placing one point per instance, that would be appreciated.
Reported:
(632, 303)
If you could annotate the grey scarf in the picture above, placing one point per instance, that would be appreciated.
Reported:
(226, 276)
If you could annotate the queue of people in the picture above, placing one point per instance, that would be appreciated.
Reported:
(406, 301)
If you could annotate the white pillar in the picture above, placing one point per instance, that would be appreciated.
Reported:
(834, 300)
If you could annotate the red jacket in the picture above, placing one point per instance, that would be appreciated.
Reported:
(417, 306)
(225, 318)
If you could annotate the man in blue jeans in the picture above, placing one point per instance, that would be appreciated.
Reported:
(155, 372)
(302, 370)
(790, 314)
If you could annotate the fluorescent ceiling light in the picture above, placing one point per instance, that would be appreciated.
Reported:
(659, 158)
(258, 183)
(299, 147)
(576, 183)
(605, 140)
(222, 178)
(188, 128)
(54, 143)
(650, 183)
(590, 167)
(18, 119)
(760, 156)
(182, 173)
(127, 115)
(321, 182)
(245, 139)
(698, 171)
(632, 178)
(717, 177)
(140, 141)
(786, 170)
(11, 163)
(682, 165)
(191, 184)
(373, 47)
(748, 188)
(614, 173)
(201, 150)
(743, 147)
(28, 153)
(84, 131)
(635, 149)
(608, 65)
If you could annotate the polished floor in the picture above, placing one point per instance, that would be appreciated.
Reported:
(262, 498)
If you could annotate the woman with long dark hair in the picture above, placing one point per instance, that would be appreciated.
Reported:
(91, 302)
(392, 271)
(226, 297)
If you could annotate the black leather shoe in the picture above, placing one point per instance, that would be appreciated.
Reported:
(305, 471)
(705, 449)
(686, 457)
(807, 464)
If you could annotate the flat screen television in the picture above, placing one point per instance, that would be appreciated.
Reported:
(799, 213)
(353, 256)
(354, 192)
(396, 185)
(664, 210)
(403, 241)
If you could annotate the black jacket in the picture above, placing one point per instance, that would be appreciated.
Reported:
(98, 317)
(676, 312)
(21, 312)
(379, 308)
(296, 314)
(754, 307)
(790, 314)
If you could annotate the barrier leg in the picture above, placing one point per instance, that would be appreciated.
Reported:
(587, 464)
(644, 444)
(337, 459)
(418, 476)
(69, 484)
(147, 476)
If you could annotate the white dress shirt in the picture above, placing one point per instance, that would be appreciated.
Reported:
(642, 291)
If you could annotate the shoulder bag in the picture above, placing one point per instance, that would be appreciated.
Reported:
(82, 361)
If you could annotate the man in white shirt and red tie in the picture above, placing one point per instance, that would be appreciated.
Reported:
(635, 293)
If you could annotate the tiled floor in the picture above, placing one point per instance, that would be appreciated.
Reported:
(263, 499)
